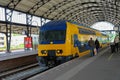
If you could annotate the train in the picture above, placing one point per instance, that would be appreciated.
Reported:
(61, 41)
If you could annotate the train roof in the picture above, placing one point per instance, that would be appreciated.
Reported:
(61, 25)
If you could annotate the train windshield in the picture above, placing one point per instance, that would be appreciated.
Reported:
(58, 35)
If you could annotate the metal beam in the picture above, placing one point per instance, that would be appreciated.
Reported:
(32, 11)
(85, 12)
(24, 12)
(39, 4)
(13, 3)
(69, 10)
(74, 7)
(56, 7)
(43, 21)
(70, 16)
(107, 30)
(85, 15)
(18, 24)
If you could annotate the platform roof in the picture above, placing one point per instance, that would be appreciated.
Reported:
(85, 12)
(17, 28)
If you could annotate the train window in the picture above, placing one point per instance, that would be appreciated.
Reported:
(83, 47)
(104, 40)
(52, 35)
(85, 31)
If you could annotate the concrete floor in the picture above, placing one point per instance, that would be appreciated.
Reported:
(104, 66)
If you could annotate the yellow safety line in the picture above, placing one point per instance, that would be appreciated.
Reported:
(109, 58)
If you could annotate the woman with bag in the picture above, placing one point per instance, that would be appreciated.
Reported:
(97, 45)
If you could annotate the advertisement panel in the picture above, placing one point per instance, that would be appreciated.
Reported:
(28, 42)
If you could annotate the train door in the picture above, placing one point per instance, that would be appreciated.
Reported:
(76, 44)
(75, 40)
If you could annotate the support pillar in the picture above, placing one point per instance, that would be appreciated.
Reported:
(8, 19)
(28, 22)
(28, 32)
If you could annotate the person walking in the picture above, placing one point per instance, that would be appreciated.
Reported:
(112, 45)
(91, 44)
(116, 41)
(97, 45)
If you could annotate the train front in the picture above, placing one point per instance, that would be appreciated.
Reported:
(51, 43)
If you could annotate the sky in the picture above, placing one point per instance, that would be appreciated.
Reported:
(103, 26)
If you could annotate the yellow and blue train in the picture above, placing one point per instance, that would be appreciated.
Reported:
(60, 41)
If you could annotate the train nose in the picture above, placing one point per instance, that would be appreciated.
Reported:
(51, 53)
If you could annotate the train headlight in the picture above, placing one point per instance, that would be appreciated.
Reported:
(43, 51)
(59, 51)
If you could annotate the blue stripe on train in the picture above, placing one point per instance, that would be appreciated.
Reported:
(54, 42)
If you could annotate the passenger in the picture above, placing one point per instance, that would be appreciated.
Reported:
(116, 41)
(112, 45)
(91, 43)
(97, 45)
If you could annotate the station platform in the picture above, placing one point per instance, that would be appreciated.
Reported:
(104, 66)
(16, 54)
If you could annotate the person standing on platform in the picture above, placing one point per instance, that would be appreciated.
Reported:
(91, 43)
(116, 41)
(97, 45)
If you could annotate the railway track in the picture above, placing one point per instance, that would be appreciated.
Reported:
(19, 68)
(22, 73)
(9, 64)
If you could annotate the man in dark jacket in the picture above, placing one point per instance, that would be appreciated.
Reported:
(91, 43)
